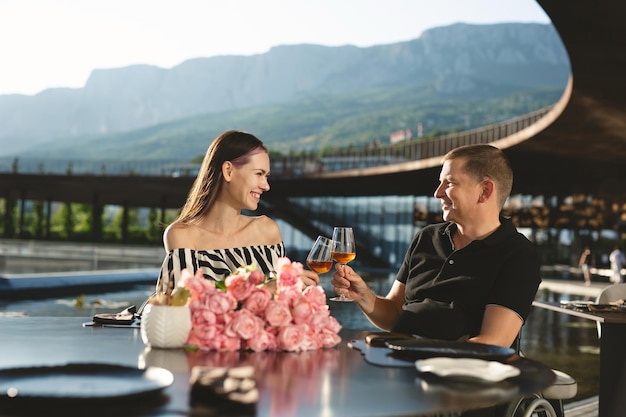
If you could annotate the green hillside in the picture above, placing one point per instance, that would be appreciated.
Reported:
(354, 119)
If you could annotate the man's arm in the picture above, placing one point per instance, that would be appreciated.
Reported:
(500, 326)
(382, 312)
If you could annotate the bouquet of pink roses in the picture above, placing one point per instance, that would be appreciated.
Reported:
(242, 313)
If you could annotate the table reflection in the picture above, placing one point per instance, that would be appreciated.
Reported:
(328, 382)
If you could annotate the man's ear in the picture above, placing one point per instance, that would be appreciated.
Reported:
(227, 170)
(487, 190)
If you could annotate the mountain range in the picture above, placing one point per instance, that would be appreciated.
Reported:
(296, 96)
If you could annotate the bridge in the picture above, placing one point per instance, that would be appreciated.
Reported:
(575, 147)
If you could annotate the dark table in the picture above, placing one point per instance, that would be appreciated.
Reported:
(612, 390)
(328, 382)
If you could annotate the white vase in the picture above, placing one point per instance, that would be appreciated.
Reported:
(165, 326)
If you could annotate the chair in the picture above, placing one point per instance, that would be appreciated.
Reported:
(548, 402)
(609, 294)
(612, 293)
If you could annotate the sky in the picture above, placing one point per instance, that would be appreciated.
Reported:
(57, 43)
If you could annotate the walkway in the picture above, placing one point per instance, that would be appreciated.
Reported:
(583, 408)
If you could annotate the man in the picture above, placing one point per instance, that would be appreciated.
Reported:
(472, 277)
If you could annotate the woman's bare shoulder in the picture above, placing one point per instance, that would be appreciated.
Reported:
(267, 228)
(178, 235)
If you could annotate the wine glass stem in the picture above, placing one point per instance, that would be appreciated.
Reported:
(343, 297)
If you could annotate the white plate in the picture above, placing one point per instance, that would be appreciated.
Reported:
(79, 381)
(488, 371)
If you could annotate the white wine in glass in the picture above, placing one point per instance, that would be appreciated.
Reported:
(344, 251)
(319, 258)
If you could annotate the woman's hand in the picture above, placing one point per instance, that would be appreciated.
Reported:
(309, 278)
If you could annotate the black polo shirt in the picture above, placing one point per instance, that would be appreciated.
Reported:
(447, 290)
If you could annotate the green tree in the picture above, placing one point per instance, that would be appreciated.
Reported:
(38, 219)
(62, 222)
(83, 220)
(153, 232)
(115, 228)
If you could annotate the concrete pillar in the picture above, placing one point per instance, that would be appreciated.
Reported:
(48, 216)
(22, 214)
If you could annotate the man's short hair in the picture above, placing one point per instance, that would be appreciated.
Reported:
(486, 162)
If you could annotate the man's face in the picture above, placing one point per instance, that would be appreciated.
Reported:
(458, 192)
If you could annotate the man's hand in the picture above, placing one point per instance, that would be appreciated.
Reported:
(347, 282)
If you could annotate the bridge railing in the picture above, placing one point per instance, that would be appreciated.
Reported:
(304, 164)
(343, 159)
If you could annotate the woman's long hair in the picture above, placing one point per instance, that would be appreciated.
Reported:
(234, 146)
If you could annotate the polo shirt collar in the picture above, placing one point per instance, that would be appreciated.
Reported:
(501, 233)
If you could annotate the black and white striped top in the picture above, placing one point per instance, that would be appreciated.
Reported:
(217, 264)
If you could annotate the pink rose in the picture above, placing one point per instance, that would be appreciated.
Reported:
(310, 341)
(256, 277)
(196, 304)
(333, 325)
(301, 311)
(329, 338)
(225, 343)
(257, 301)
(239, 287)
(203, 316)
(196, 284)
(315, 295)
(244, 324)
(288, 295)
(264, 340)
(248, 316)
(203, 336)
(289, 274)
(318, 320)
(277, 314)
(220, 302)
(290, 337)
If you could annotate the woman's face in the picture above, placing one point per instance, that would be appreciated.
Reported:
(249, 181)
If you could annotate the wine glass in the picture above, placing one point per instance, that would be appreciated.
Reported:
(344, 251)
(319, 258)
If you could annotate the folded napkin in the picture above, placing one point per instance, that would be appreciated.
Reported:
(227, 389)
(126, 316)
(467, 368)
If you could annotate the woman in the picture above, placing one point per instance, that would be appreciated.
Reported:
(210, 233)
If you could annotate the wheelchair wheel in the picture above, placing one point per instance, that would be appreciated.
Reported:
(531, 406)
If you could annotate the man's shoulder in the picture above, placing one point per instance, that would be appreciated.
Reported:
(431, 230)
(436, 227)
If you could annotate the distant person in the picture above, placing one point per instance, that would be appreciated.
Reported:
(211, 233)
(618, 261)
(473, 277)
(584, 263)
